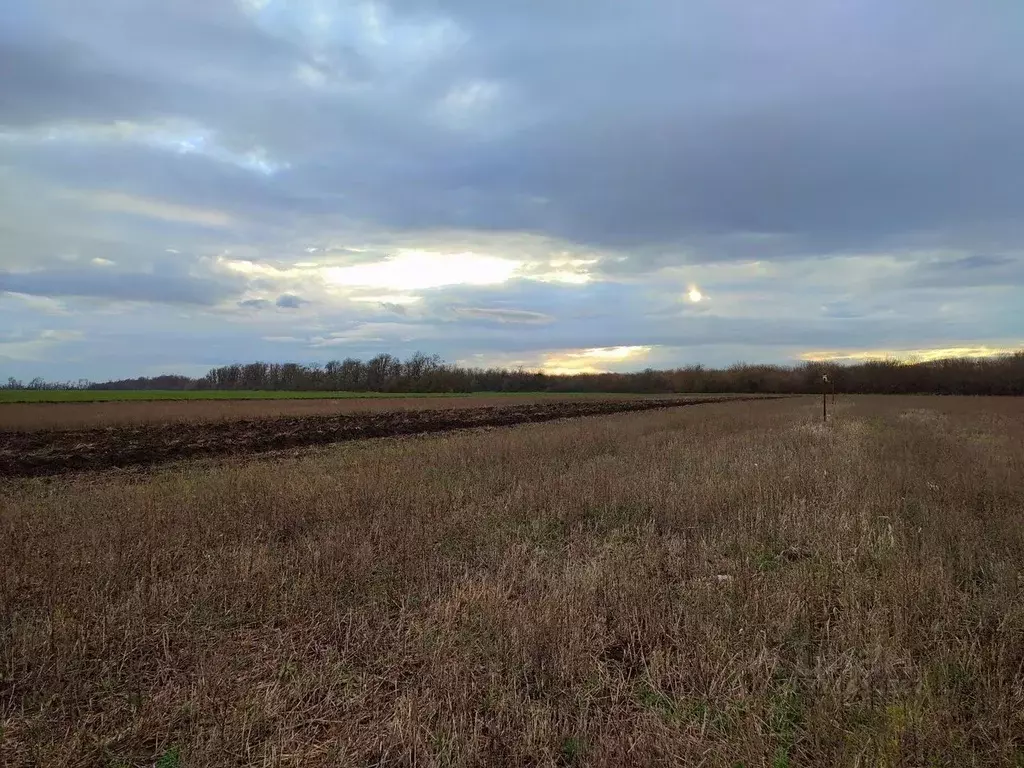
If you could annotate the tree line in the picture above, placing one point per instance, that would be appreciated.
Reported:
(1001, 375)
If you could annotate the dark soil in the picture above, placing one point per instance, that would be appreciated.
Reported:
(52, 452)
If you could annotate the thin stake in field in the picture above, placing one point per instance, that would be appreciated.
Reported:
(824, 397)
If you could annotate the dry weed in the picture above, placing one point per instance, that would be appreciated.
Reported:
(730, 585)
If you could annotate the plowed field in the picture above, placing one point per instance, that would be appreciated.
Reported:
(48, 452)
(31, 416)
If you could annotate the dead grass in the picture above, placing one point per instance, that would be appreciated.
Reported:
(730, 585)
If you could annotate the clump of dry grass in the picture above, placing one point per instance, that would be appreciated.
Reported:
(726, 585)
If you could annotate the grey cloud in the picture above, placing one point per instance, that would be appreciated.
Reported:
(842, 310)
(284, 301)
(164, 334)
(290, 301)
(597, 299)
(187, 179)
(715, 127)
(504, 315)
(710, 332)
(51, 81)
(125, 286)
(705, 125)
(254, 303)
(969, 271)
(980, 261)
(121, 59)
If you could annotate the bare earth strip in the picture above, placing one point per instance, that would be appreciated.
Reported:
(31, 416)
(50, 452)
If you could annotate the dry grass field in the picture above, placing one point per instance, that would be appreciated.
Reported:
(724, 585)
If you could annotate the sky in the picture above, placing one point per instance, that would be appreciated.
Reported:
(565, 185)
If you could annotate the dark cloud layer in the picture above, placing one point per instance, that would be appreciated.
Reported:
(122, 286)
(834, 122)
(290, 301)
(971, 271)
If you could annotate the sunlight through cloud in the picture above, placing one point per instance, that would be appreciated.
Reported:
(412, 270)
(594, 360)
(909, 355)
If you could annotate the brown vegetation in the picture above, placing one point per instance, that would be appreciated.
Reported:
(735, 584)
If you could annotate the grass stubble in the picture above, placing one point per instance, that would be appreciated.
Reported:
(735, 584)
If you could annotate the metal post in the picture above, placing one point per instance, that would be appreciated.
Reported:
(824, 397)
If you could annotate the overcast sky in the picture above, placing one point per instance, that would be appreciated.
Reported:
(562, 184)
